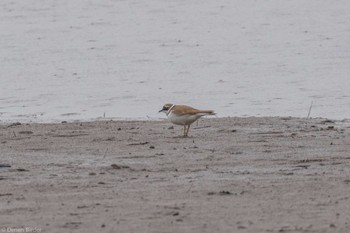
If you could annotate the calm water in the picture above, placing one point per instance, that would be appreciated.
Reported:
(77, 60)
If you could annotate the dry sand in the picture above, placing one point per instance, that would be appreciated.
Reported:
(230, 175)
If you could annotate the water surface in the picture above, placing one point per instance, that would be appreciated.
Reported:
(81, 60)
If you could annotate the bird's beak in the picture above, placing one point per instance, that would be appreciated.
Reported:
(161, 110)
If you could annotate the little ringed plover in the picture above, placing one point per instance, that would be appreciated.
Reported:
(184, 115)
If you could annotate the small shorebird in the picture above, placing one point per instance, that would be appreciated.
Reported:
(184, 115)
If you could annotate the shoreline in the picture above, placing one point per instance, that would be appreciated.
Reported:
(161, 118)
(254, 174)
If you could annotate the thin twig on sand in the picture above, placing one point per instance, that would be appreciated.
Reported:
(104, 156)
(308, 115)
(189, 187)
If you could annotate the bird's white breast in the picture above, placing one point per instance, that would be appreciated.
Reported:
(183, 119)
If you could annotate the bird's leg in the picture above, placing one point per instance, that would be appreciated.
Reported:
(184, 130)
(188, 129)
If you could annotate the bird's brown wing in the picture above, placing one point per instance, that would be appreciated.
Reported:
(187, 110)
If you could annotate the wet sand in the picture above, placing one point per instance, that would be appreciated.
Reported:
(230, 175)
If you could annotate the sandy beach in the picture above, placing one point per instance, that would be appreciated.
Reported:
(75, 72)
(231, 175)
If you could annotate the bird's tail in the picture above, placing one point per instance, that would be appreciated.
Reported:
(207, 112)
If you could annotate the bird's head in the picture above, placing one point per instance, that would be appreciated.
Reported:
(166, 107)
